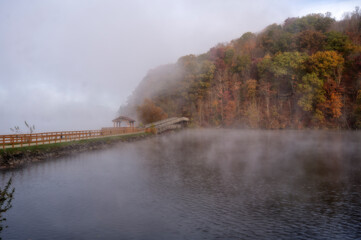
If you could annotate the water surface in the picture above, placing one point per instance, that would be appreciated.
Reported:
(204, 184)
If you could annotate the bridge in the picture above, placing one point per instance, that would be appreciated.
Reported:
(22, 140)
(168, 124)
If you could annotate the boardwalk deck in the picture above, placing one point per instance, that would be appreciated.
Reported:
(168, 124)
(21, 140)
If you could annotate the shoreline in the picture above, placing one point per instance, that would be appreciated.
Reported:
(18, 157)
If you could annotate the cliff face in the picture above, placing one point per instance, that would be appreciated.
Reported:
(305, 73)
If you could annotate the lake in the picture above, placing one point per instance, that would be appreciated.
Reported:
(196, 184)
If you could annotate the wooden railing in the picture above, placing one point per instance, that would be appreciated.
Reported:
(20, 140)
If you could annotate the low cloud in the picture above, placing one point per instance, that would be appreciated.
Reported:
(70, 64)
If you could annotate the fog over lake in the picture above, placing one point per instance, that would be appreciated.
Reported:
(69, 65)
(196, 184)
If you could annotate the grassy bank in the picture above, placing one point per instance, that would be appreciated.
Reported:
(46, 147)
(15, 157)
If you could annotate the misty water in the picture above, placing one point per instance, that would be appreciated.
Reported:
(196, 184)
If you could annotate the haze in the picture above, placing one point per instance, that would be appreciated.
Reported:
(69, 65)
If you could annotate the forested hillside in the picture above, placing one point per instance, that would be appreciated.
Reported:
(304, 73)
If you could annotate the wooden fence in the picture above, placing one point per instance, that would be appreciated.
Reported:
(20, 140)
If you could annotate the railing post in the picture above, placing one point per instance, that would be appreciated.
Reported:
(56, 137)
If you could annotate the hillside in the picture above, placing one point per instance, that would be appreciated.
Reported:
(304, 73)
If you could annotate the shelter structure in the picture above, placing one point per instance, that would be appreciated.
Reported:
(117, 122)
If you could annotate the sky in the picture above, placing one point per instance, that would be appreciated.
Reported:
(70, 64)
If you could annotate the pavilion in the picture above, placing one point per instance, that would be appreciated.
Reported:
(117, 122)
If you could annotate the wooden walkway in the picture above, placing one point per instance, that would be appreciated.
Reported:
(168, 124)
(21, 140)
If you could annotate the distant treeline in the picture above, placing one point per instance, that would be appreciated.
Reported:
(304, 73)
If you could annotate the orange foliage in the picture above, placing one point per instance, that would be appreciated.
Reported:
(336, 104)
(332, 105)
(288, 76)
(148, 112)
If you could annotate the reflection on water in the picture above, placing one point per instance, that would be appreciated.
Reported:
(204, 184)
(6, 197)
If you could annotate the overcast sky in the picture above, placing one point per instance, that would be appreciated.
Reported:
(70, 64)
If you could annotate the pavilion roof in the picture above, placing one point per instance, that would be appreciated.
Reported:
(123, 118)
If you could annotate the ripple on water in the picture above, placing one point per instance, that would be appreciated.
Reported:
(214, 184)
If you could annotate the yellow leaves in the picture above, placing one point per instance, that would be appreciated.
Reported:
(306, 102)
(318, 116)
(215, 103)
(251, 88)
(288, 63)
(327, 64)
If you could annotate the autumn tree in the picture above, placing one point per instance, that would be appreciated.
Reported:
(287, 67)
(310, 41)
(242, 65)
(312, 94)
(148, 112)
(274, 39)
(350, 25)
(320, 91)
(358, 110)
(252, 111)
(337, 41)
(267, 92)
(245, 44)
(229, 109)
(305, 72)
(333, 104)
(327, 64)
(315, 22)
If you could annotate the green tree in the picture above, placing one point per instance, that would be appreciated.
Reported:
(242, 65)
(228, 55)
(311, 91)
(274, 39)
(287, 68)
(316, 22)
(288, 64)
(338, 42)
